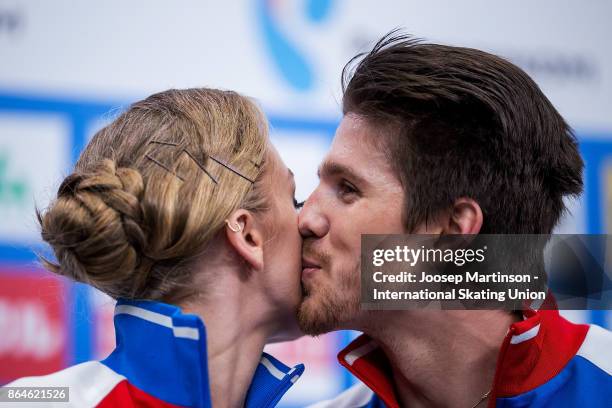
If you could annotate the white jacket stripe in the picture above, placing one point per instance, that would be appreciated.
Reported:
(88, 384)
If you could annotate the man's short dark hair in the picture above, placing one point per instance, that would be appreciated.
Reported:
(465, 123)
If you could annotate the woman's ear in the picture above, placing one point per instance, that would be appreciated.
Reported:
(245, 237)
(465, 217)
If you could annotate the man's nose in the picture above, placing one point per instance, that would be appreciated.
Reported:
(313, 222)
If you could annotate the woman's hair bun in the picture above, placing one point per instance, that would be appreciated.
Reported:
(94, 228)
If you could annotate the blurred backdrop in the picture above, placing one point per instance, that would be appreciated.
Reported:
(67, 68)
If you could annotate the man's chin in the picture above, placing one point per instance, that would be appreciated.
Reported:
(311, 320)
(317, 314)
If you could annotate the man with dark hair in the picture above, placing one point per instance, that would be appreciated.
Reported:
(445, 140)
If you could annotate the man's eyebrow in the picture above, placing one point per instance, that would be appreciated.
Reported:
(332, 168)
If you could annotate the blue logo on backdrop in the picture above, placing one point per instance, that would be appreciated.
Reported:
(288, 59)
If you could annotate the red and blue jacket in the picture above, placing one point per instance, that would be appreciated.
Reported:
(160, 361)
(544, 361)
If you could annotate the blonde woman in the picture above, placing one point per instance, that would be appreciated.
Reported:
(183, 211)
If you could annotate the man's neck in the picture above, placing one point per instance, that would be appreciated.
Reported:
(441, 358)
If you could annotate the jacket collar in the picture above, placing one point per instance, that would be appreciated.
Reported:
(533, 351)
(163, 352)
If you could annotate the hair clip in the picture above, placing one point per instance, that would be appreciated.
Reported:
(230, 168)
(164, 167)
(163, 143)
(201, 166)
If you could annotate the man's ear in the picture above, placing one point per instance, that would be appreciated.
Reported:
(465, 217)
(245, 237)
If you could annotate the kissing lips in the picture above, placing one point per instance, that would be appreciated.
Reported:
(309, 268)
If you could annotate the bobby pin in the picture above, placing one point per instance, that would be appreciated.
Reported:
(200, 166)
(163, 166)
(230, 168)
(221, 162)
(163, 143)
